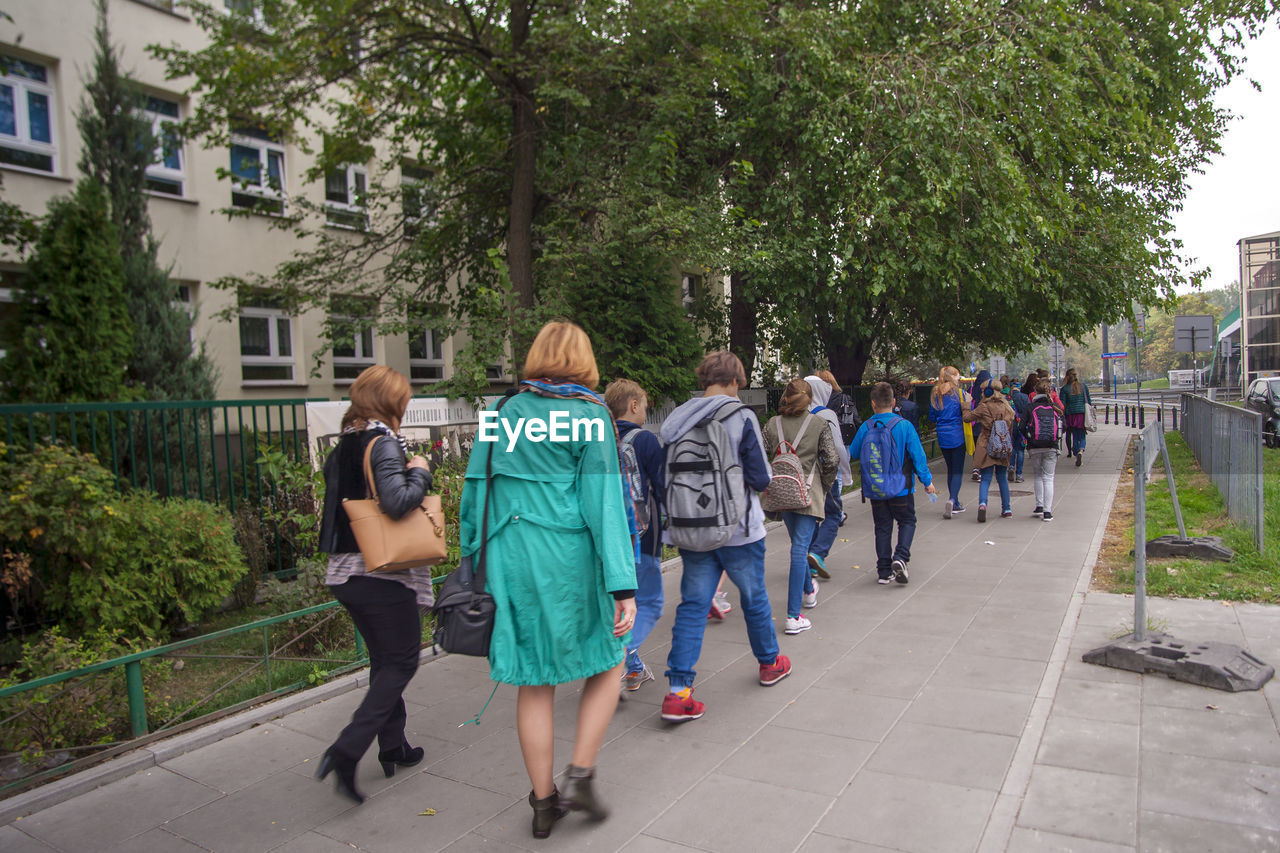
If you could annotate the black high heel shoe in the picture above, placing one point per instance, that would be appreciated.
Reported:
(403, 755)
(346, 770)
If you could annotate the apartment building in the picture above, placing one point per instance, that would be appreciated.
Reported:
(1260, 306)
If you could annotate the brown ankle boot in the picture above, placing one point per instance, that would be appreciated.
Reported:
(546, 812)
(581, 796)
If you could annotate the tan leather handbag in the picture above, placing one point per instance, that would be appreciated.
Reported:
(414, 540)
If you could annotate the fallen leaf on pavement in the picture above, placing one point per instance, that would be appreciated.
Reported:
(427, 813)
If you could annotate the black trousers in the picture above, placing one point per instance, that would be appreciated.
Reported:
(386, 615)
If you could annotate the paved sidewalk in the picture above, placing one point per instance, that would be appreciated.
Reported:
(952, 713)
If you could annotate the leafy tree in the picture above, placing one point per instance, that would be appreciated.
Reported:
(73, 334)
(119, 146)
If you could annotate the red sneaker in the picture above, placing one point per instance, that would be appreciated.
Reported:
(715, 613)
(772, 673)
(677, 710)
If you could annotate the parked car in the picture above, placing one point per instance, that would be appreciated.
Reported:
(1264, 396)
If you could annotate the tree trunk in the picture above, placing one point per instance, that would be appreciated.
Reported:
(849, 361)
(743, 323)
(523, 153)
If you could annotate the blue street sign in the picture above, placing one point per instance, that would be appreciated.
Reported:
(973, 365)
(1115, 355)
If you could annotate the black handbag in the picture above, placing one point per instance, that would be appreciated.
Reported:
(464, 612)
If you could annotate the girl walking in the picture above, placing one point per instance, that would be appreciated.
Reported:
(1075, 398)
(992, 409)
(1039, 426)
(947, 405)
(795, 427)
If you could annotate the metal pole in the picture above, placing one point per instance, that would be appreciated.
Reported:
(1106, 362)
(1139, 541)
(137, 698)
(1173, 487)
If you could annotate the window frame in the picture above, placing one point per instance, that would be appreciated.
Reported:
(359, 358)
(158, 171)
(690, 284)
(273, 315)
(354, 209)
(428, 335)
(22, 140)
(262, 191)
(418, 180)
(6, 298)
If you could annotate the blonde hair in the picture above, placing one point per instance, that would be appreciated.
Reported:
(948, 383)
(379, 393)
(828, 377)
(619, 394)
(796, 398)
(1073, 379)
(562, 351)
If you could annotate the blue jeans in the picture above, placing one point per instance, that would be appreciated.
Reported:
(1002, 479)
(744, 564)
(648, 607)
(883, 515)
(826, 535)
(801, 529)
(954, 457)
(1019, 456)
(1076, 440)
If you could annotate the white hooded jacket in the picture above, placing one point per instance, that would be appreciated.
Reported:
(821, 394)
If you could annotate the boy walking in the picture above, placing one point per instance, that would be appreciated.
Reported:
(889, 452)
(642, 452)
(714, 518)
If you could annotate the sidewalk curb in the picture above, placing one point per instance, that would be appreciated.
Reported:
(153, 755)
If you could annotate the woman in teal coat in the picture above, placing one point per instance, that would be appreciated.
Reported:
(559, 559)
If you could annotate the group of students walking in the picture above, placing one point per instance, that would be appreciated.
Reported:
(573, 531)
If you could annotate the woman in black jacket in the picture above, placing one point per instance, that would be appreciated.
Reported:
(383, 606)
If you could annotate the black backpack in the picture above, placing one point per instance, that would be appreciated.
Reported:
(847, 415)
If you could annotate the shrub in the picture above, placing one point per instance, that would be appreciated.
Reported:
(80, 712)
(98, 560)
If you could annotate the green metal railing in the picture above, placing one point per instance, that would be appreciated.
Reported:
(207, 450)
(133, 674)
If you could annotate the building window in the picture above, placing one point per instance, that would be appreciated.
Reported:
(26, 115)
(418, 202)
(8, 316)
(495, 372)
(344, 197)
(257, 171)
(266, 340)
(351, 325)
(165, 174)
(690, 290)
(426, 354)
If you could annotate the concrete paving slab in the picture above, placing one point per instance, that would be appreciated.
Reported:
(1038, 841)
(660, 761)
(989, 673)
(111, 814)
(805, 761)
(1208, 789)
(1209, 733)
(1006, 644)
(818, 842)
(313, 842)
(393, 821)
(970, 708)
(156, 840)
(997, 618)
(954, 756)
(700, 818)
(1180, 694)
(1165, 833)
(1098, 806)
(650, 844)
(631, 809)
(890, 648)
(913, 815)
(263, 815)
(843, 713)
(243, 759)
(1100, 700)
(14, 840)
(1096, 745)
(863, 675)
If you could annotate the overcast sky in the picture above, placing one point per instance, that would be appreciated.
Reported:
(1239, 193)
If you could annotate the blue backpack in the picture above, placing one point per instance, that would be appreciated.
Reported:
(883, 476)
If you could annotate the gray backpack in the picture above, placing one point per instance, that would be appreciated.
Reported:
(705, 494)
